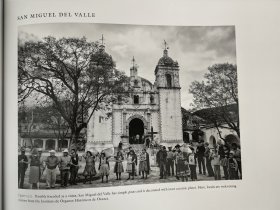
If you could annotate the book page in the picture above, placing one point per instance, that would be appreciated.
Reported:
(141, 104)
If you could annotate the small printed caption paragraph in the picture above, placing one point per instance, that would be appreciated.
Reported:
(105, 196)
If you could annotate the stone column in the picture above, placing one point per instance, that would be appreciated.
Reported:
(44, 145)
(148, 120)
(124, 123)
(56, 145)
(190, 135)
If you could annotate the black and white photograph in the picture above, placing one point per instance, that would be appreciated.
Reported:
(104, 105)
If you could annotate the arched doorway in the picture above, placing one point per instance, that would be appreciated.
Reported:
(212, 142)
(136, 131)
(229, 139)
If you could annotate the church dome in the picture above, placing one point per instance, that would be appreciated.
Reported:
(165, 60)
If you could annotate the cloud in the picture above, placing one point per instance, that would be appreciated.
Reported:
(195, 48)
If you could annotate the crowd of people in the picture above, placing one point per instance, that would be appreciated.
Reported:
(184, 159)
(180, 162)
(69, 165)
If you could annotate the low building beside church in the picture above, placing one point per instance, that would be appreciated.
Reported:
(197, 126)
(152, 112)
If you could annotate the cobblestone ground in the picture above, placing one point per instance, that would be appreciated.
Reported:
(153, 178)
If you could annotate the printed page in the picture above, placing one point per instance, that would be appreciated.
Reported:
(140, 105)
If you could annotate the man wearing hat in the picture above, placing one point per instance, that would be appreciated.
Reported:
(51, 163)
(65, 163)
(161, 161)
(170, 162)
(22, 166)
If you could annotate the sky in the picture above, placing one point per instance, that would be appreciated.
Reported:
(194, 47)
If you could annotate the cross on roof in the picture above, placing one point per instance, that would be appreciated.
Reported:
(102, 40)
(134, 65)
(133, 61)
(165, 45)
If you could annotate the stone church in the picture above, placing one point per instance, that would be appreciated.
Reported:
(152, 111)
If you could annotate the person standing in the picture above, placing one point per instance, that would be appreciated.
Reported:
(192, 165)
(237, 156)
(34, 174)
(161, 161)
(118, 168)
(232, 166)
(170, 162)
(52, 162)
(223, 152)
(104, 168)
(208, 160)
(22, 166)
(42, 161)
(65, 162)
(74, 167)
(175, 152)
(90, 167)
(182, 164)
(147, 143)
(120, 146)
(216, 163)
(200, 150)
(131, 163)
(143, 163)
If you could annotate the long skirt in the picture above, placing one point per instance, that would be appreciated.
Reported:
(143, 166)
(34, 174)
(183, 169)
(104, 170)
(89, 170)
(118, 167)
(130, 168)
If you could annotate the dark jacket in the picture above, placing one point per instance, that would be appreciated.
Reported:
(200, 150)
(161, 156)
(21, 165)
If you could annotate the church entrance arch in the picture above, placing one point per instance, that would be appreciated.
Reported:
(136, 131)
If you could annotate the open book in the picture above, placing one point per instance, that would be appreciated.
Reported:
(120, 105)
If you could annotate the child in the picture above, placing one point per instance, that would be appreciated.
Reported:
(232, 166)
(104, 167)
(192, 165)
(90, 166)
(118, 169)
(216, 163)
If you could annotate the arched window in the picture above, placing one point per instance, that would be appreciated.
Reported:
(152, 99)
(136, 99)
(136, 83)
(168, 80)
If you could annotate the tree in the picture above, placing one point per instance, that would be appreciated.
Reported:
(217, 95)
(74, 75)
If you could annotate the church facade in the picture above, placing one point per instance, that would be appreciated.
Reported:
(152, 111)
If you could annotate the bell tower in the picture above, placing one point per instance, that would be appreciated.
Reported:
(168, 85)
